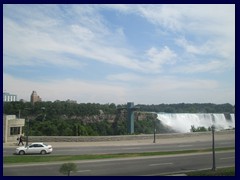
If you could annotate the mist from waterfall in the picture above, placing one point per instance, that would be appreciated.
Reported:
(182, 122)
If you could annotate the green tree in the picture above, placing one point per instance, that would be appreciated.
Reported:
(201, 129)
(193, 129)
(198, 129)
(67, 168)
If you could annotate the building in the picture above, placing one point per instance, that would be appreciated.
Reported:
(7, 97)
(12, 128)
(35, 98)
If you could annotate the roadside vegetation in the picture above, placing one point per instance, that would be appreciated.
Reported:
(67, 168)
(229, 171)
(57, 158)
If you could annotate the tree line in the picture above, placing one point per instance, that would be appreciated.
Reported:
(57, 108)
(190, 108)
(55, 118)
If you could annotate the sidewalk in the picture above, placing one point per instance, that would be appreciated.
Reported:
(133, 142)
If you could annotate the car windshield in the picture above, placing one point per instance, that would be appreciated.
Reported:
(36, 143)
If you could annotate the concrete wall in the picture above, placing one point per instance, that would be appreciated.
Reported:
(119, 138)
(8, 122)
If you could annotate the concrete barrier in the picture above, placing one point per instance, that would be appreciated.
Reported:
(122, 137)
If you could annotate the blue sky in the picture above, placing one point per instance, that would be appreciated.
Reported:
(146, 54)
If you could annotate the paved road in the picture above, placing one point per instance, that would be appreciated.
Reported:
(139, 148)
(141, 166)
(132, 148)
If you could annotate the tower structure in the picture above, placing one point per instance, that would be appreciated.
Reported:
(130, 116)
(35, 97)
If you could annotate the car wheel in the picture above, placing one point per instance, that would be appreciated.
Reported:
(21, 152)
(43, 152)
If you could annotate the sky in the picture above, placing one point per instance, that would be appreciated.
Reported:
(119, 53)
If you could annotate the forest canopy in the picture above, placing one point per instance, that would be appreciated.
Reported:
(61, 118)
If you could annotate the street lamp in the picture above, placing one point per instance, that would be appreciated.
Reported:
(28, 123)
(27, 132)
(213, 149)
(27, 126)
(154, 131)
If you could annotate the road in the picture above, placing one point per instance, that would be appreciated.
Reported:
(76, 150)
(140, 166)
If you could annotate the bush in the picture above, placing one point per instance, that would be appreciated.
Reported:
(67, 168)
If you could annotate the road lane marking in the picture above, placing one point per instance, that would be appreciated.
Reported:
(185, 145)
(227, 158)
(84, 171)
(131, 148)
(160, 164)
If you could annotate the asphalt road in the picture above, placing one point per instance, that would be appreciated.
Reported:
(76, 150)
(141, 166)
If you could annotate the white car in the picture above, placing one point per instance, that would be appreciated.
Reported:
(34, 148)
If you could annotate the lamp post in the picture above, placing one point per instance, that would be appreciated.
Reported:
(213, 149)
(27, 132)
(154, 131)
(28, 123)
(28, 109)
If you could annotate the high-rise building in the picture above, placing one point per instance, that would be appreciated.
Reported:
(7, 97)
(35, 97)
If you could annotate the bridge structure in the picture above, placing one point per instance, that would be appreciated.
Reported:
(130, 116)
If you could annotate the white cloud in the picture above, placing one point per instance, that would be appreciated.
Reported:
(82, 32)
(127, 77)
(160, 83)
(189, 48)
(91, 38)
(174, 83)
(124, 88)
(165, 89)
(120, 7)
(210, 30)
(73, 35)
(162, 56)
(214, 66)
(80, 90)
(198, 18)
(164, 15)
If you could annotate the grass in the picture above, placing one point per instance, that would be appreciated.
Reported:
(229, 171)
(57, 158)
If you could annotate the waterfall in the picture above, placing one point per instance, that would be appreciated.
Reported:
(182, 122)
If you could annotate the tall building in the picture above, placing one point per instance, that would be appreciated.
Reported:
(7, 97)
(35, 97)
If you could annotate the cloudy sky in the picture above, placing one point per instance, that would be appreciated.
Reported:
(146, 54)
